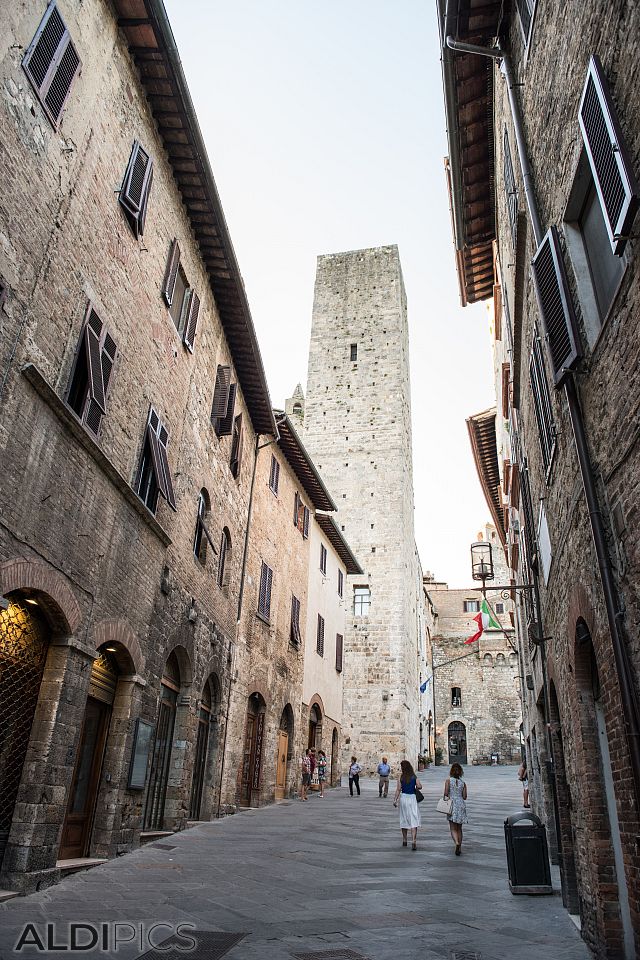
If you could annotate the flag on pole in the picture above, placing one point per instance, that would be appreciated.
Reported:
(423, 686)
(485, 621)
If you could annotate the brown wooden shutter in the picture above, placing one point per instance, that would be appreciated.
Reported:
(94, 368)
(305, 524)
(339, 643)
(171, 273)
(296, 639)
(51, 63)
(223, 558)
(163, 438)
(108, 351)
(296, 501)
(221, 393)
(262, 590)
(556, 306)
(225, 424)
(611, 165)
(191, 321)
(136, 186)
(236, 448)
(320, 636)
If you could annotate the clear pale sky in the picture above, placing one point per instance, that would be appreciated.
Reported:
(325, 129)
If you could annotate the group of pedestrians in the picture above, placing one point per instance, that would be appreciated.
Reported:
(311, 762)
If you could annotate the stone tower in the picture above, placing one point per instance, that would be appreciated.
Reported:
(358, 430)
(294, 407)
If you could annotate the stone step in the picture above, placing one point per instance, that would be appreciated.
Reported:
(80, 863)
(148, 836)
(7, 895)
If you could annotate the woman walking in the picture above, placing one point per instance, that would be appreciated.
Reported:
(409, 812)
(322, 770)
(354, 776)
(455, 789)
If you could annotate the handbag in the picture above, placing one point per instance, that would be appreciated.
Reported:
(419, 795)
(444, 805)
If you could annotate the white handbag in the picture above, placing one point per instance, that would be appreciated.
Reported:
(444, 806)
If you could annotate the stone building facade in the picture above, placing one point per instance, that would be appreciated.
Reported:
(549, 235)
(357, 427)
(478, 711)
(124, 325)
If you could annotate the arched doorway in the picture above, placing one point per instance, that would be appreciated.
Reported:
(334, 757)
(204, 747)
(568, 875)
(252, 753)
(24, 641)
(315, 727)
(161, 757)
(76, 831)
(285, 751)
(457, 742)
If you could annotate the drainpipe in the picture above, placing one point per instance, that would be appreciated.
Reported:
(628, 695)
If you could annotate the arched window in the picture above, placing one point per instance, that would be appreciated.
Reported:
(202, 534)
(456, 697)
(224, 563)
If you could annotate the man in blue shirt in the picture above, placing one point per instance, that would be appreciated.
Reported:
(383, 772)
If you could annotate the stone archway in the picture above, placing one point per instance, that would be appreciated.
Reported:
(250, 774)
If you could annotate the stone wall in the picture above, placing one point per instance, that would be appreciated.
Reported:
(358, 430)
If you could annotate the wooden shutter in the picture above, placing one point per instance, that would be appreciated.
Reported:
(611, 165)
(340, 583)
(511, 190)
(158, 438)
(320, 636)
(191, 320)
(339, 643)
(542, 402)
(274, 476)
(236, 447)
(305, 523)
(171, 273)
(163, 438)
(296, 502)
(221, 393)
(51, 63)
(296, 639)
(264, 597)
(136, 186)
(108, 351)
(556, 307)
(225, 424)
(94, 367)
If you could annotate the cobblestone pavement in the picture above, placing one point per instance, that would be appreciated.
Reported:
(329, 877)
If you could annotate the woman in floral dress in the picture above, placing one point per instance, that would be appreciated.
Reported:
(455, 789)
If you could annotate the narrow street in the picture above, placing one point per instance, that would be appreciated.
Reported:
(329, 877)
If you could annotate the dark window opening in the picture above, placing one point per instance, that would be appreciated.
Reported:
(340, 582)
(323, 559)
(456, 697)
(202, 537)
(499, 607)
(295, 637)
(224, 562)
(339, 646)
(235, 460)
(354, 351)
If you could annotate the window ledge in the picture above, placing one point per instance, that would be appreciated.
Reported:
(75, 428)
(261, 616)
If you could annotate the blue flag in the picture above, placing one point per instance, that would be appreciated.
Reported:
(423, 686)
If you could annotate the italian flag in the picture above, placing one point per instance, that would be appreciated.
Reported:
(485, 621)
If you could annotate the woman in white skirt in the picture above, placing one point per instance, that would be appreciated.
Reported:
(409, 813)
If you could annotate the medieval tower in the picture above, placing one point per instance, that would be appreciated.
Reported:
(357, 427)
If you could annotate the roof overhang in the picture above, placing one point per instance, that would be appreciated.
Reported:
(302, 464)
(148, 33)
(482, 432)
(334, 535)
(468, 94)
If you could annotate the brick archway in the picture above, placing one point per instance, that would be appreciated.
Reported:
(120, 631)
(58, 600)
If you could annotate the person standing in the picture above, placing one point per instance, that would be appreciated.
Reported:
(354, 776)
(306, 774)
(384, 771)
(409, 812)
(523, 776)
(322, 770)
(455, 789)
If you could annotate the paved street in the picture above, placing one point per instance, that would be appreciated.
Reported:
(327, 875)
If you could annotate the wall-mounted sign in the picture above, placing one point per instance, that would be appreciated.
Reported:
(140, 755)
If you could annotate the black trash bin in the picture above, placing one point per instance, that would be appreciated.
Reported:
(527, 855)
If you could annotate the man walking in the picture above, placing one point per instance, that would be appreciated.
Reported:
(383, 772)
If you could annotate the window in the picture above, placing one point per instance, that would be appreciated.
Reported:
(182, 300)
(598, 270)
(274, 475)
(471, 606)
(264, 596)
(51, 63)
(295, 637)
(3, 292)
(339, 646)
(511, 190)
(320, 636)
(499, 607)
(354, 351)
(340, 583)
(136, 186)
(154, 476)
(456, 697)
(202, 537)
(235, 460)
(323, 558)
(542, 403)
(526, 9)
(301, 516)
(224, 563)
(92, 370)
(361, 601)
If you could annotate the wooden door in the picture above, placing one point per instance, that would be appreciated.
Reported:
(281, 765)
(86, 778)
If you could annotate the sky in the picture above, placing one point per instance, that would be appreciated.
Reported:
(324, 125)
